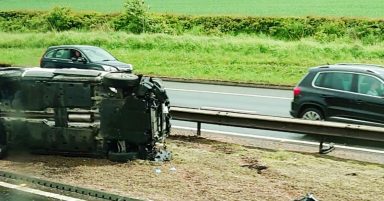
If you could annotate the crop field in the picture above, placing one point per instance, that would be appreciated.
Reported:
(348, 8)
(210, 55)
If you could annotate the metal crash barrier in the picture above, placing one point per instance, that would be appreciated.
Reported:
(317, 128)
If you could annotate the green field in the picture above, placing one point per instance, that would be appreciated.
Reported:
(228, 58)
(243, 58)
(349, 8)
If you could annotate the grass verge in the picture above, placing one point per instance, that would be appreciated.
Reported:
(251, 59)
(213, 170)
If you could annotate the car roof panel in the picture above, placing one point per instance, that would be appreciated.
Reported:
(360, 68)
(73, 46)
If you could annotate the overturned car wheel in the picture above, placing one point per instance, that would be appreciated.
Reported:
(122, 157)
(120, 80)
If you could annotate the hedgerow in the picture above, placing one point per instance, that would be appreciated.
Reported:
(136, 20)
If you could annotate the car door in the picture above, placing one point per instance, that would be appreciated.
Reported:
(335, 91)
(61, 58)
(369, 101)
(46, 60)
(77, 59)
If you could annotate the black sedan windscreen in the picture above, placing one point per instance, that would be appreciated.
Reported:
(98, 55)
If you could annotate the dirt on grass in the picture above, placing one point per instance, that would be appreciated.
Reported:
(204, 169)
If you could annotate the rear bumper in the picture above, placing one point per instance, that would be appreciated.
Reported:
(294, 112)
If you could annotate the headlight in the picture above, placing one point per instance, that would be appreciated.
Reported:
(127, 68)
(130, 66)
(109, 68)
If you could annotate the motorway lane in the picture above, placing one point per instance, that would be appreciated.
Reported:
(263, 101)
(273, 102)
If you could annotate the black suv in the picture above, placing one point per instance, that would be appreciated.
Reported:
(83, 57)
(342, 92)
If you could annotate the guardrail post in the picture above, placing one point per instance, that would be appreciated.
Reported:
(324, 149)
(198, 128)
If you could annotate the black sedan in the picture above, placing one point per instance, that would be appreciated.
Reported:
(82, 57)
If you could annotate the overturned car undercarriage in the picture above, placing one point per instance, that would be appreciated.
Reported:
(116, 115)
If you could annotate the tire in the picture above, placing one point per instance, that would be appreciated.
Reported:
(122, 157)
(312, 114)
(3, 141)
(3, 151)
(120, 80)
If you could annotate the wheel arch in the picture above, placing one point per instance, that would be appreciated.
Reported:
(313, 105)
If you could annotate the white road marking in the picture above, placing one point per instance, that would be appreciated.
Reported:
(228, 110)
(38, 192)
(227, 93)
(279, 139)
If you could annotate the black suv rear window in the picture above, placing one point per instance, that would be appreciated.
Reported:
(334, 80)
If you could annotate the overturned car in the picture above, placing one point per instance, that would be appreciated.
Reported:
(117, 115)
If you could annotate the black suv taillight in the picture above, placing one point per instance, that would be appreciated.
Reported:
(296, 91)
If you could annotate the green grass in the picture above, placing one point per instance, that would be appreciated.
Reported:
(228, 58)
(350, 8)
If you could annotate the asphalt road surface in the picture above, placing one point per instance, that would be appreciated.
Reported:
(273, 102)
(7, 194)
(28, 192)
(261, 101)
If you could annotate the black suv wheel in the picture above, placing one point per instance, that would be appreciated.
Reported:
(312, 114)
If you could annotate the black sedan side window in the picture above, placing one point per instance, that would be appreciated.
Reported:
(49, 54)
(62, 54)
